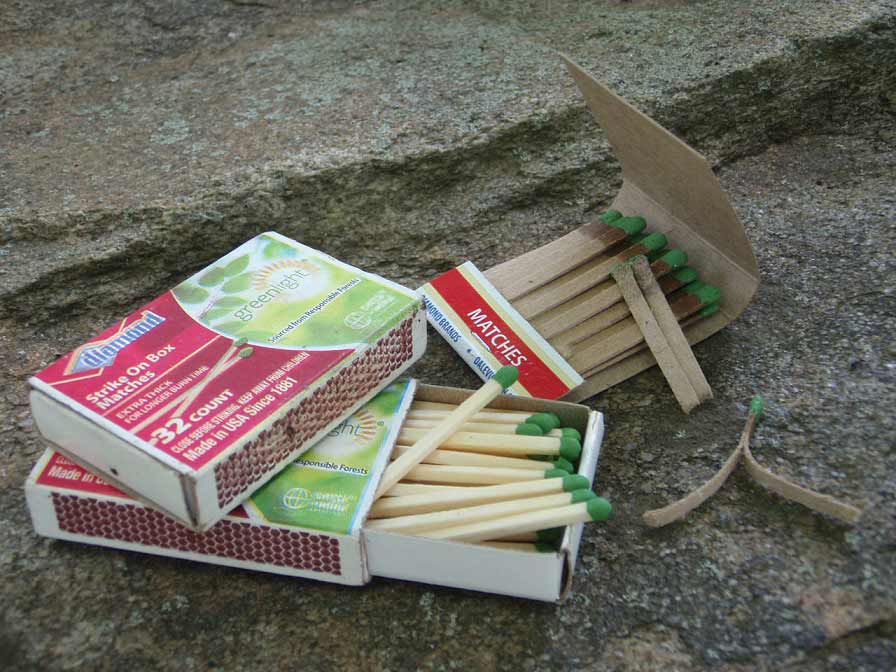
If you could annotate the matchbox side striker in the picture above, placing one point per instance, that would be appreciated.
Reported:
(195, 400)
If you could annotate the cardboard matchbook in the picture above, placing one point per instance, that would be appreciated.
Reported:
(664, 181)
(308, 521)
(195, 400)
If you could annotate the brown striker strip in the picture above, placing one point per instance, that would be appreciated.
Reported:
(603, 320)
(592, 302)
(655, 338)
(623, 335)
(570, 286)
(780, 486)
(670, 328)
(520, 275)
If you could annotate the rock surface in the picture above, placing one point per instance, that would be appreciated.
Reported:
(138, 143)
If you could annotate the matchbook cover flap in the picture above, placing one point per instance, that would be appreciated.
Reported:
(488, 333)
(207, 364)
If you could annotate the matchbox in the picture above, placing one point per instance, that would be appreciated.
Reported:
(198, 398)
(566, 336)
(296, 524)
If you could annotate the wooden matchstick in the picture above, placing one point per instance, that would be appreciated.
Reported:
(625, 334)
(520, 546)
(443, 499)
(431, 409)
(598, 299)
(529, 271)
(466, 459)
(432, 439)
(617, 312)
(498, 444)
(571, 285)
(496, 528)
(780, 486)
(441, 474)
(655, 338)
(419, 523)
(670, 328)
(552, 535)
(404, 489)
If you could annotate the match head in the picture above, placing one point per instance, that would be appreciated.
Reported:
(631, 225)
(655, 241)
(246, 352)
(572, 482)
(557, 473)
(599, 509)
(240, 342)
(570, 448)
(686, 275)
(551, 535)
(675, 258)
(582, 495)
(506, 376)
(571, 432)
(757, 406)
(610, 216)
(711, 309)
(547, 421)
(565, 465)
(529, 429)
(707, 294)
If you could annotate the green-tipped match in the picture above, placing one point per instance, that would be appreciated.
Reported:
(529, 429)
(757, 406)
(550, 536)
(571, 432)
(246, 352)
(506, 376)
(572, 482)
(637, 238)
(711, 309)
(610, 216)
(599, 509)
(582, 495)
(557, 473)
(656, 254)
(543, 547)
(675, 258)
(631, 225)
(653, 242)
(240, 342)
(547, 421)
(565, 465)
(705, 293)
(570, 448)
(685, 275)
(540, 458)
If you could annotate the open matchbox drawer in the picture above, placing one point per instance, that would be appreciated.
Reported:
(74, 505)
(667, 183)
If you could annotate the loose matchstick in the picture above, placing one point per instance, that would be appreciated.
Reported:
(575, 282)
(670, 328)
(404, 489)
(419, 523)
(625, 334)
(432, 439)
(598, 299)
(564, 341)
(441, 474)
(444, 498)
(498, 444)
(497, 528)
(522, 274)
(465, 459)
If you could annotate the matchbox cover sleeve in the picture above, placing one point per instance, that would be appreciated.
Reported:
(196, 399)
(488, 333)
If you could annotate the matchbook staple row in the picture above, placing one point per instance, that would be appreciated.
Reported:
(313, 518)
(198, 398)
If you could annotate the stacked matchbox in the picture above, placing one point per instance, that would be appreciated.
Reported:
(247, 418)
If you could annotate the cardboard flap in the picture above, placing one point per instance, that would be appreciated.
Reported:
(667, 171)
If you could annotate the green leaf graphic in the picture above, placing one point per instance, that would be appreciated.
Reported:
(212, 277)
(217, 313)
(238, 284)
(236, 266)
(229, 302)
(189, 294)
(277, 250)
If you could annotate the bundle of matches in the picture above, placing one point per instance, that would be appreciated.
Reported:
(474, 475)
(577, 303)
